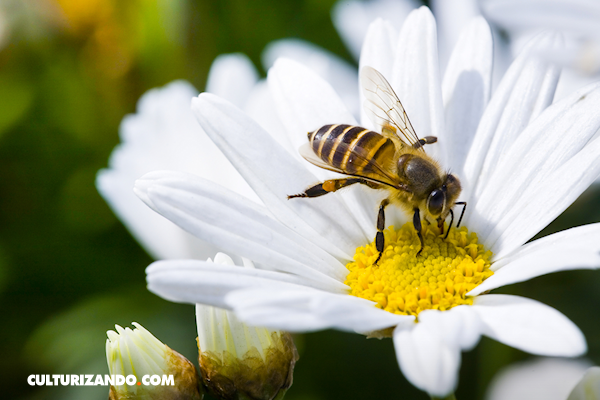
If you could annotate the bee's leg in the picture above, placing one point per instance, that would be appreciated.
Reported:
(418, 228)
(449, 226)
(379, 238)
(328, 186)
(426, 140)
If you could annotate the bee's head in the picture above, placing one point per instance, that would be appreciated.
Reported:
(441, 200)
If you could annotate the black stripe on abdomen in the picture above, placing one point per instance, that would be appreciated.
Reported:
(344, 146)
(315, 136)
(331, 142)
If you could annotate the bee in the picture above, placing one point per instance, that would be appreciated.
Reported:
(393, 160)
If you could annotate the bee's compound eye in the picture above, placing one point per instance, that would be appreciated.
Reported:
(435, 202)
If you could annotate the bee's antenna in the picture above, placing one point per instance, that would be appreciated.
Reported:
(464, 204)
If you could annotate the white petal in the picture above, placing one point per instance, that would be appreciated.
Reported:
(259, 107)
(426, 359)
(429, 354)
(451, 18)
(232, 77)
(222, 258)
(559, 133)
(219, 329)
(324, 221)
(575, 176)
(377, 52)
(239, 226)
(529, 198)
(303, 311)
(570, 81)
(160, 237)
(305, 102)
(539, 379)
(529, 325)
(581, 57)
(352, 18)
(466, 90)
(163, 134)
(458, 326)
(575, 248)
(589, 387)
(525, 91)
(338, 73)
(201, 282)
(416, 78)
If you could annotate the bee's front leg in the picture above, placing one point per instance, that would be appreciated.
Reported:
(379, 238)
(418, 228)
(441, 224)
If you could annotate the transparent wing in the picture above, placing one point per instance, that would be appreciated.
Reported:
(372, 170)
(385, 109)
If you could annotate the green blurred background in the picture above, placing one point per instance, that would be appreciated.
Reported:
(69, 71)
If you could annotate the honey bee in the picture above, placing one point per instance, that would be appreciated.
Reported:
(393, 160)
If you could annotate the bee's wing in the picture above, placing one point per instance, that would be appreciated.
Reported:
(385, 109)
(377, 173)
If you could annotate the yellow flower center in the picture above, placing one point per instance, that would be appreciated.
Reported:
(404, 283)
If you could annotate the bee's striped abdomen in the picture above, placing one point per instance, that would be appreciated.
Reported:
(350, 148)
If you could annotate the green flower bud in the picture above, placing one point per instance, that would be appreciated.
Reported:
(137, 352)
(238, 361)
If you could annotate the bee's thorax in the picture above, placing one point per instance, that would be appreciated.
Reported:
(423, 176)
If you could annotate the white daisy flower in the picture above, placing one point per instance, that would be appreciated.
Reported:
(314, 256)
(137, 352)
(546, 379)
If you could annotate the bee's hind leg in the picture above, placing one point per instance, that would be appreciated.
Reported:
(328, 186)
(418, 228)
